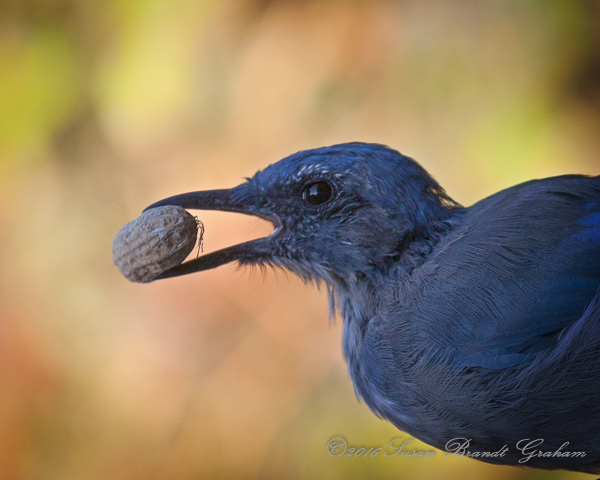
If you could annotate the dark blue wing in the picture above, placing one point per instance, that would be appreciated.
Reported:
(523, 266)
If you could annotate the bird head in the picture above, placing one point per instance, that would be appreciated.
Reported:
(339, 212)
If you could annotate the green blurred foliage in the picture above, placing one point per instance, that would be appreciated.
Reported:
(108, 106)
(38, 87)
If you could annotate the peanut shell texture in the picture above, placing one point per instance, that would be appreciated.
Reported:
(160, 238)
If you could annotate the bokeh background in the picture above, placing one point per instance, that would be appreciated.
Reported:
(107, 106)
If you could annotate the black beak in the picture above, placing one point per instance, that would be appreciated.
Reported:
(231, 200)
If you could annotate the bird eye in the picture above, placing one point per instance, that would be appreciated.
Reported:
(317, 193)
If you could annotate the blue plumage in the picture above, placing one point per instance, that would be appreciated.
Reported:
(479, 322)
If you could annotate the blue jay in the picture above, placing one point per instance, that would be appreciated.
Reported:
(477, 325)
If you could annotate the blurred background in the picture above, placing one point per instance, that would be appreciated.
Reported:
(107, 106)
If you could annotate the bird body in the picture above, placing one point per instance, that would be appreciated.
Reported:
(478, 323)
(495, 336)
